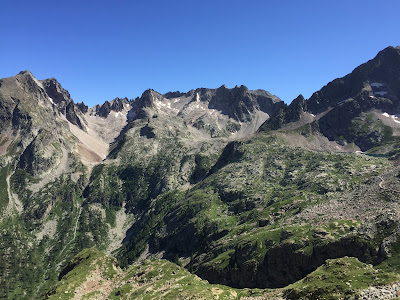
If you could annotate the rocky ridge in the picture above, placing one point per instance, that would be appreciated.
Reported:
(181, 176)
(352, 109)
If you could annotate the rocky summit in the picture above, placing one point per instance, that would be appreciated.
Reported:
(206, 194)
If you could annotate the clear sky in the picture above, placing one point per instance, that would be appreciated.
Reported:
(99, 50)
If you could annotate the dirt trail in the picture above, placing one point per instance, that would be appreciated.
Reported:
(383, 187)
(381, 183)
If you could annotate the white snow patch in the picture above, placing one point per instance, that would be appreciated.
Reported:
(118, 114)
(158, 104)
(393, 117)
(376, 84)
(381, 93)
(195, 106)
(51, 100)
(165, 106)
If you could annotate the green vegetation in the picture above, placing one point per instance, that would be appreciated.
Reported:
(160, 279)
(240, 208)
(368, 131)
(93, 275)
(78, 270)
(22, 263)
(3, 187)
(243, 209)
(339, 279)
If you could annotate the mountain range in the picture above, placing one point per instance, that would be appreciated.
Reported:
(209, 194)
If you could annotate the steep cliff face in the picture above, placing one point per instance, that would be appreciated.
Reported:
(116, 105)
(380, 77)
(286, 114)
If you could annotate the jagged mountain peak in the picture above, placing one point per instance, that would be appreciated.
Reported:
(384, 69)
(149, 95)
(27, 82)
(116, 105)
(26, 72)
(56, 92)
(218, 112)
(390, 50)
(46, 92)
(354, 108)
(175, 94)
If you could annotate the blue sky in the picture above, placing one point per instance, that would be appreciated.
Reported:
(100, 50)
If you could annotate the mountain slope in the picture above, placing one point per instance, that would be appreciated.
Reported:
(186, 177)
(94, 275)
(49, 146)
(361, 108)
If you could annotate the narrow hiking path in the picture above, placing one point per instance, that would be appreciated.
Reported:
(383, 187)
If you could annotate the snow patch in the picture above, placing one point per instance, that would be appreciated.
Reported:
(376, 84)
(393, 117)
(118, 114)
(381, 93)
(158, 104)
(165, 105)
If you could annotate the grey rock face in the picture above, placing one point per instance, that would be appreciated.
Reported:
(383, 69)
(116, 105)
(340, 106)
(286, 114)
